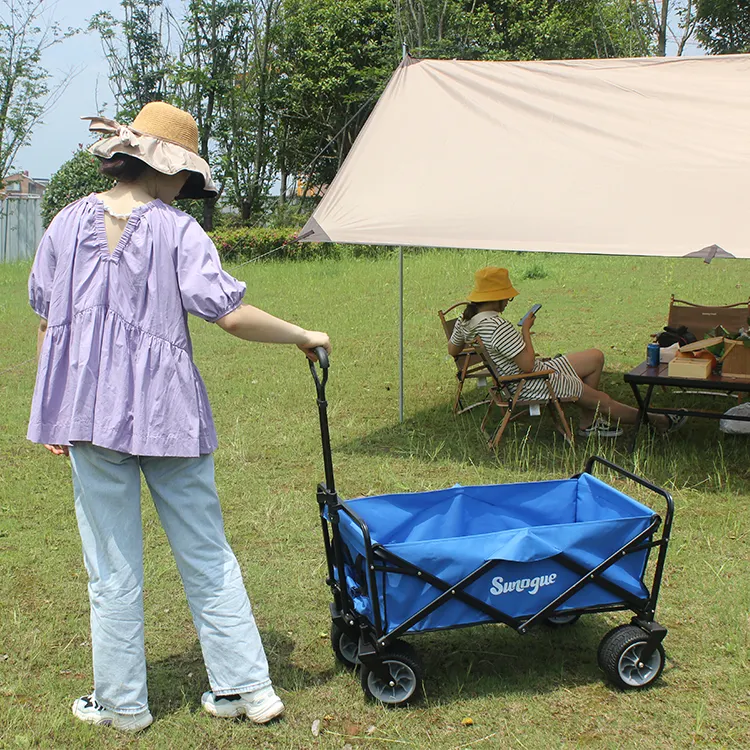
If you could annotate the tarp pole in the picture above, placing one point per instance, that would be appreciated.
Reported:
(404, 55)
(401, 334)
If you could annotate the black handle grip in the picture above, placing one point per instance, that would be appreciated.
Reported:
(322, 356)
(320, 383)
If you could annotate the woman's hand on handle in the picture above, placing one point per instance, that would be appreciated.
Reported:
(252, 324)
(314, 339)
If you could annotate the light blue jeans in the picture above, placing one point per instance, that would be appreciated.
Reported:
(107, 487)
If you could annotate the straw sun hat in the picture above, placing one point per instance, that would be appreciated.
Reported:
(162, 136)
(492, 284)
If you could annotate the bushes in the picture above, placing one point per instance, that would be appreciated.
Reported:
(246, 243)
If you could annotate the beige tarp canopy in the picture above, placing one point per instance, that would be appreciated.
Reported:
(626, 156)
(648, 156)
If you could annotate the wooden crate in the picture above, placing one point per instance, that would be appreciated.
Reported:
(736, 360)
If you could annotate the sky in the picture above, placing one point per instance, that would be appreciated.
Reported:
(55, 141)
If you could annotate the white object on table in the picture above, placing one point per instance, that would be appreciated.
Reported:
(668, 353)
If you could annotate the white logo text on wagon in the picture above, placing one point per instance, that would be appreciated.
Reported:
(529, 585)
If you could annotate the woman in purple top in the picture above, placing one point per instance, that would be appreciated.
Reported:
(114, 279)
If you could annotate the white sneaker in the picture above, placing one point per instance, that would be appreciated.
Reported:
(259, 706)
(88, 709)
(600, 428)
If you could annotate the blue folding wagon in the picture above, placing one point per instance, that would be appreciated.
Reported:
(518, 554)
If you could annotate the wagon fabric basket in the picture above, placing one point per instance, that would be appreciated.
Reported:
(534, 537)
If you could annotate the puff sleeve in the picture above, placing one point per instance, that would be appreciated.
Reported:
(206, 289)
(43, 275)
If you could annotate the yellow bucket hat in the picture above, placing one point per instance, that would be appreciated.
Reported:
(492, 284)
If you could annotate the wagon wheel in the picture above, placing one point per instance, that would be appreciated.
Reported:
(405, 683)
(561, 621)
(345, 648)
(609, 634)
(620, 658)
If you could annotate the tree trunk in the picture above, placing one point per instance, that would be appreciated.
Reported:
(209, 206)
(253, 197)
(661, 37)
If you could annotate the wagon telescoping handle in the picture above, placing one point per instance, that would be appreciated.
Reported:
(320, 386)
(666, 529)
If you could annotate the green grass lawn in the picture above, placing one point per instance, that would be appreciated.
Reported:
(543, 690)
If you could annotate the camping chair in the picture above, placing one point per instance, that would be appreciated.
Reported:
(701, 319)
(505, 395)
(468, 363)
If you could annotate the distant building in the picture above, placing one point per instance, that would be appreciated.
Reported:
(21, 184)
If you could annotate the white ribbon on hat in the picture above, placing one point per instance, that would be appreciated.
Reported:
(127, 135)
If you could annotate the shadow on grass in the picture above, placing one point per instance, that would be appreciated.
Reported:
(179, 680)
(494, 660)
(485, 660)
(697, 455)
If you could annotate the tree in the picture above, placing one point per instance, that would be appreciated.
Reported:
(137, 50)
(444, 28)
(212, 32)
(250, 111)
(25, 91)
(665, 19)
(78, 177)
(520, 29)
(724, 26)
(335, 59)
(564, 29)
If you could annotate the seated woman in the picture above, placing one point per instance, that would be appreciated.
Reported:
(575, 375)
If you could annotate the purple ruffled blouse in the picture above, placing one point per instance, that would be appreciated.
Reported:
(116, 368)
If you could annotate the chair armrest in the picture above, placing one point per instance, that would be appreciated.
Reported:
(526, 376)
(468, 349)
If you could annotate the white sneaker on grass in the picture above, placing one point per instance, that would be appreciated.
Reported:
(88, 709)
(259, 706)
(600, 428)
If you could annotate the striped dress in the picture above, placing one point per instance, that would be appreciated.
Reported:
(503, 341)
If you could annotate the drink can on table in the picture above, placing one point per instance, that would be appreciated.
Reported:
(652, 355)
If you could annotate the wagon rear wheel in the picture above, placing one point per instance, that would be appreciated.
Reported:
(620, 656)
(561, 621)
(345, 648)
(404, 684)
